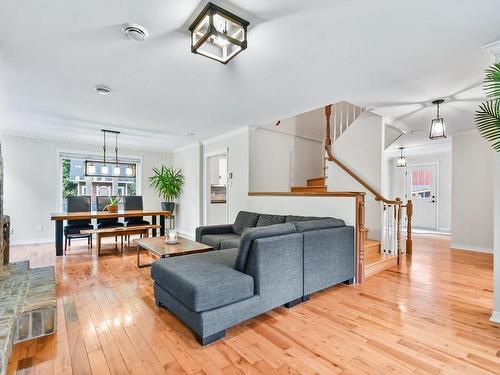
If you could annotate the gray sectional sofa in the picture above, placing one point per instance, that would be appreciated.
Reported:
(255, 268)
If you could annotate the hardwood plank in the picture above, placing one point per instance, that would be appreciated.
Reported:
(430, 314)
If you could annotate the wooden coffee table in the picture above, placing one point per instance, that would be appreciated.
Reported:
(157, 246)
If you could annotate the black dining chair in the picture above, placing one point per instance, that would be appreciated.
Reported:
(73, 227)
(102, 202)
(133, 202)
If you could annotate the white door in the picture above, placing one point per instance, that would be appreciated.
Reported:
(421, 182)
(216, 193)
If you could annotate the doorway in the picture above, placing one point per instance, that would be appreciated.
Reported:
(215, 188)
(421, 182)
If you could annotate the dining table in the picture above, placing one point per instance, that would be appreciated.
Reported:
(60, 217)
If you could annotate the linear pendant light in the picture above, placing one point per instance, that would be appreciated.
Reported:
(437, 130)
(117, 169)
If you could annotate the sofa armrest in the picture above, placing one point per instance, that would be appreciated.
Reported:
(213, 229)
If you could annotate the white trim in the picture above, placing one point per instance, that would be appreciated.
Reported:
(31, 241)
(478, 249)
(185, 234)
(225, 135)
(186, 147)
(493, 49)
(495, 317)
(205, 184)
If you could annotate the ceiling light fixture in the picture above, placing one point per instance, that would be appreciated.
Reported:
(401, 163)
(135, 32)
(129, 169)
(218, 34)
(438, 129)
(102, 90)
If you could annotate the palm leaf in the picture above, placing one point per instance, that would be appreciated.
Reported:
(488, 122)
(168, 182)
(492, 81)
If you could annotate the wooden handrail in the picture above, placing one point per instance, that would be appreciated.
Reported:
(378, 197)
(349, 171)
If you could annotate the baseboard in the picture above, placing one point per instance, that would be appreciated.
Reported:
(186, 234)
(31, 242)
(478, 249)
(495, 317)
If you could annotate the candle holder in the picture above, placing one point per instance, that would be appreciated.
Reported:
(171, 238)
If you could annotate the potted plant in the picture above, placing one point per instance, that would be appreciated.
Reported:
(168, 182)
(113, 204)
(488, 115)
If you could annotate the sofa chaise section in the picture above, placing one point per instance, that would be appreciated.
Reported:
(216, 290)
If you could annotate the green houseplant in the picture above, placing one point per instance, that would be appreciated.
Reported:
(488, 114)
(113, 204)
(168, 182)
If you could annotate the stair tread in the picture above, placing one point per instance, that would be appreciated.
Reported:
(316, 181)
(370, 243)
(373, 259)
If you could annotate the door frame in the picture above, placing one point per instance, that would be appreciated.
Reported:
(205, 182)
(438, 193)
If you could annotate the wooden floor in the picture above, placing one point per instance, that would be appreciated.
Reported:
(430, 315)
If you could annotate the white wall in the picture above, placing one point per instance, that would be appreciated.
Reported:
(397, 186)
(360, 147)
(279, 160)
(472, 193)
(496, 261)
(31, 191)
(189, 203)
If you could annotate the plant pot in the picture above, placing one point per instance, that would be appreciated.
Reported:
(112, 208)
(168, 206)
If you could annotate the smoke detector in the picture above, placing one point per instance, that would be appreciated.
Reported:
(135, 32)
(102, 90)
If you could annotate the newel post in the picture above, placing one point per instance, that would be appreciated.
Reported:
(409, 240)
(360, 238)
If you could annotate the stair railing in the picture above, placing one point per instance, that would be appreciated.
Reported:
(394, 206)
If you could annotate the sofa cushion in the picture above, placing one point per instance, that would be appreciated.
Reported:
(265, 220)
(251, 234)
(203, 281)
(290, 218)
(215, 240)
(245, 220)
(305, 226)
(231, 243)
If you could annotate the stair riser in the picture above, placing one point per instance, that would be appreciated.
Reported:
(374, 249)
(311, 189)
(373, 269)
(316, 182)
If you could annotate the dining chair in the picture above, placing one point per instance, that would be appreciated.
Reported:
(133, 202)
(72, 230)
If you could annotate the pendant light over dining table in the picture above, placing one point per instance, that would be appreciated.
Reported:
(117, 169)
(438, 129)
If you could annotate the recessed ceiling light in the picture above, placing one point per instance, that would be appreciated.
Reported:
(135, 32)
(102, 89)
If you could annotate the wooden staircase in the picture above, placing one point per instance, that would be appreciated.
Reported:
(375, 260)
(314, 185)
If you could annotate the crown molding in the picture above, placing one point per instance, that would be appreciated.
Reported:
(493, 50)
(220, 137)
(43, 127)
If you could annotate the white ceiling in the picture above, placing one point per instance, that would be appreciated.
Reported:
(391, 55)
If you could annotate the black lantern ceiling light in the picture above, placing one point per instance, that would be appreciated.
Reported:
(218, 34)
(438, 130)
(401, 163)
(118, 170)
